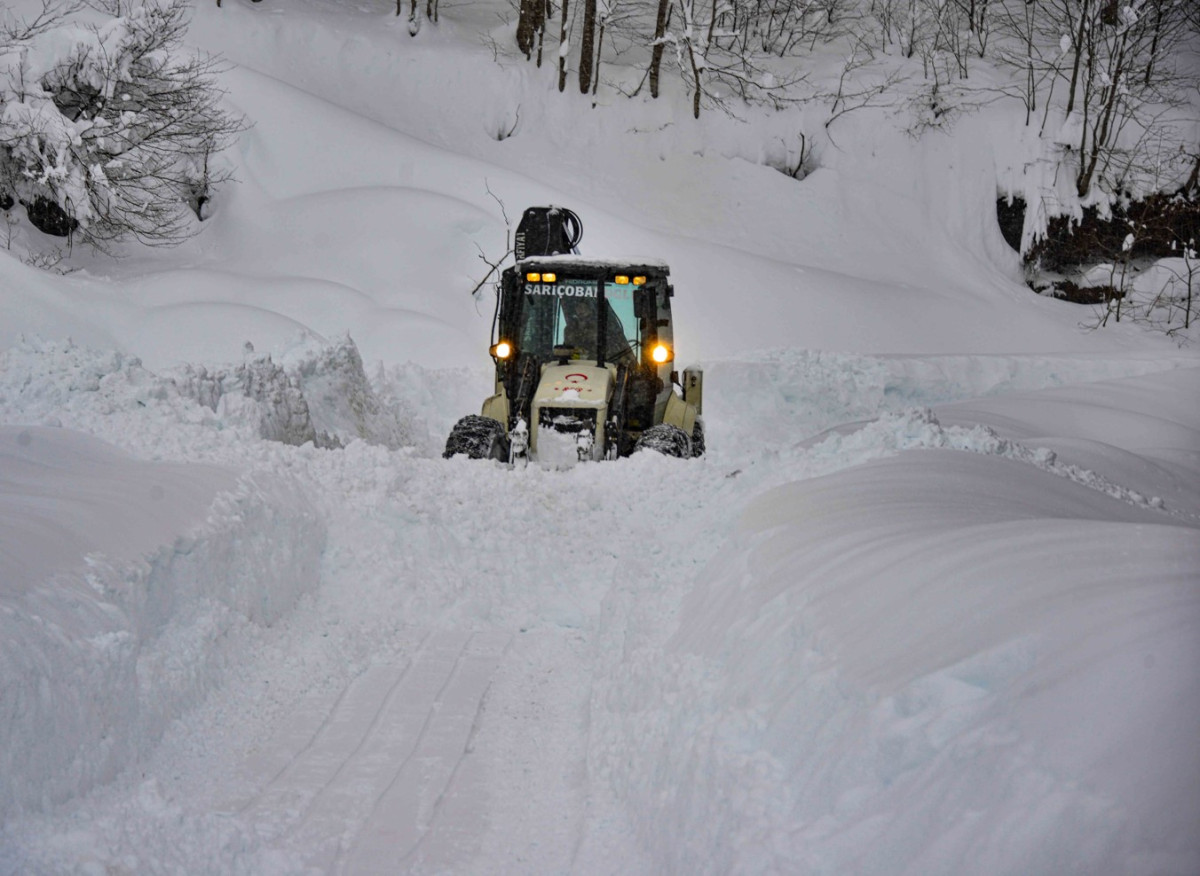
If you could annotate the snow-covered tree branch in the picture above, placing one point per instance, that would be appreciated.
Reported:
(108, 129)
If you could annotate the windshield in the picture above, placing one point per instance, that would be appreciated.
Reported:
(567, 313)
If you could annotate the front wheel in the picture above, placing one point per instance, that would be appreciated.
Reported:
(477, 438)
(666, 439)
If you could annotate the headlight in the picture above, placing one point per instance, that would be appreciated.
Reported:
(661, 354)
(502, 350)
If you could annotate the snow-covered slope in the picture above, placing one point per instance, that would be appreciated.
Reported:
(931, 604)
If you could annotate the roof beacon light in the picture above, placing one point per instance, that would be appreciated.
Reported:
(533, 277)
(621, 280)
(639, 281)
(549, 278)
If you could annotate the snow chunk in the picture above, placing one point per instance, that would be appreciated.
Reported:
(323, 397)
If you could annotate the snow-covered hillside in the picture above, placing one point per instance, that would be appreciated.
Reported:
(930, 604)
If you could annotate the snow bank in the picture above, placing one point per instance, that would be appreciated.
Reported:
(977, 657)
(122, 587)
(774, 400)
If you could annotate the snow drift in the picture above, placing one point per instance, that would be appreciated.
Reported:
(966, 654)
(122, 581)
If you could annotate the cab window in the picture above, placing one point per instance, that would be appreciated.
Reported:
(563, 314)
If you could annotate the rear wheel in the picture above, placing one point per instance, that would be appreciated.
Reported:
(698, 438)
(478, 438)
(666, 439)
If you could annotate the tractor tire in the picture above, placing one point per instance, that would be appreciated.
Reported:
(698, 438)
(477, 438)
(666, 439)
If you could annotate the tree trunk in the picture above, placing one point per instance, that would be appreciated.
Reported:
(543, 14)
(1187, 313)
(1100, 135)
(660, 31)
(529, 20)
(1192, 187)
(587, 46)
(599, 49)
(562, 54)
(696, 78)
(1083, 14)
(1158, 23)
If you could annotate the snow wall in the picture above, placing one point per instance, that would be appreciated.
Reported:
(99, 652)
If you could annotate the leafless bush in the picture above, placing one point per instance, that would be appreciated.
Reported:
(115, 138)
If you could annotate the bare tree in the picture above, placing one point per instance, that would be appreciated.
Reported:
(1175, 298)
(1110, 59)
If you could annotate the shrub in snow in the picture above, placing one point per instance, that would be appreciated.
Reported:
(1153, 227)
(49, 218)
(1160, 297)
(108, 130)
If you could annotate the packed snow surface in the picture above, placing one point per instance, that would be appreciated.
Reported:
(929, 605)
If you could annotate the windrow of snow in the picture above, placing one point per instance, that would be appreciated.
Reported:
(123, 587)
(315, 393)
(948, 651)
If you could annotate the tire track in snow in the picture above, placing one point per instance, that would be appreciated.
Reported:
(457, 814)
(291, 745)
(390, 745)
(400, 828)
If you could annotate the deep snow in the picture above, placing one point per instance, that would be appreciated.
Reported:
(931, 604)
